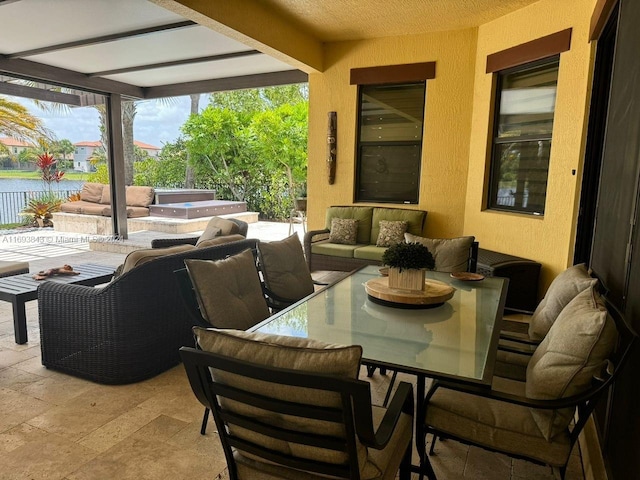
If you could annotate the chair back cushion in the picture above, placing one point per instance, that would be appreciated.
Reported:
(138, 257)
(564, 364)
(228, 291)
(137, 196)
(450, 254)
(293, 353)
(219, 240)
(284, 268)
(218, 227)
(92, 192)
(562, 290)
(362, 214)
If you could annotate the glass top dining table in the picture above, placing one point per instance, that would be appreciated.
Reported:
(456, 340)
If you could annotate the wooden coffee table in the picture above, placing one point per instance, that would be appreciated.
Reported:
(20, 289)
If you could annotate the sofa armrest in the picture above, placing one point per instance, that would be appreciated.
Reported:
(311, 237)
(170, 242)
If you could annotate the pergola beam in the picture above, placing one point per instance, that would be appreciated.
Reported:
(174, 63)
(66, 78)
(228, 83)
(101, 39)
(40, 94)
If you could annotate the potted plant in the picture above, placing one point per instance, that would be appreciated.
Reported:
(407, 263)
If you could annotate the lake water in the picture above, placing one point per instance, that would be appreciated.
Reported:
(15, 191)
(33, 185)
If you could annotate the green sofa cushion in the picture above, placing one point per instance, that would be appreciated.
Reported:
(334, 249)
(414, 219)
(370, 252)
(362, 214)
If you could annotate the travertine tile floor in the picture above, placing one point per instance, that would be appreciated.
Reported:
(54, 426)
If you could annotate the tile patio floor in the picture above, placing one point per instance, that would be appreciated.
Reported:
(55, 426)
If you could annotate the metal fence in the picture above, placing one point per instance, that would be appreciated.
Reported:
(12, 203)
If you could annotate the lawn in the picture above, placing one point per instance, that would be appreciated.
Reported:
(36, 174)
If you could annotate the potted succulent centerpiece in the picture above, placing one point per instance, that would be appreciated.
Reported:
(407, 263)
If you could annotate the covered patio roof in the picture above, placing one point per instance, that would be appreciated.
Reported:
(114, 50)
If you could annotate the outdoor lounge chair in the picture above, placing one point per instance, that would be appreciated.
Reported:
(126, 331)
(243, 228)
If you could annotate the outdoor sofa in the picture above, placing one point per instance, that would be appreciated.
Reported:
(324, 254)
(95, 199)
(128, 330)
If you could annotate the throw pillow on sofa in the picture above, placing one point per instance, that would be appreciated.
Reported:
(344, 231)
(450, 254)
(391, 233)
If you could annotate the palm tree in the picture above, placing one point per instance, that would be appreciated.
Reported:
(189, 174)
(18, 123)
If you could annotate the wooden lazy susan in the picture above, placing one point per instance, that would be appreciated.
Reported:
(434, 294)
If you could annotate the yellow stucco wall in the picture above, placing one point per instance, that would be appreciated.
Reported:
(445, 150)
(457, 127)
(548, 239)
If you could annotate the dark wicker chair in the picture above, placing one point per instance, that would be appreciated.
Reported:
(127, 331)
(170, 242)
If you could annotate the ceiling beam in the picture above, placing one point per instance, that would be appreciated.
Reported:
(66, 78)
(102, 39)
(229, 83)
(174, 63)
(39, 94)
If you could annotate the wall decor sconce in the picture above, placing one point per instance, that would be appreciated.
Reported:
(332, 132)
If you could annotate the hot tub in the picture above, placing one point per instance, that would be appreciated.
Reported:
(204, 208)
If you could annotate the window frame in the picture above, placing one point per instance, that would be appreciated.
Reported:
(494, 166)
(415, 200)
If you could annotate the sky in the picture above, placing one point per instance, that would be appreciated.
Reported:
(157, 121)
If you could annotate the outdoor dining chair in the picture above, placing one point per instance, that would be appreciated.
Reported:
(288, 407)
(539, 419)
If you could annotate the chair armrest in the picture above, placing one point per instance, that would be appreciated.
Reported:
(170, 242)
(521, 349)
(482, 391)
(402, 402)
(518, 337)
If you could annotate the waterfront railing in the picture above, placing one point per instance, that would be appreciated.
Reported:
(12, 203)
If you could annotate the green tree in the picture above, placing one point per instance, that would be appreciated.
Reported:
(280, 141)
(17, 122)
(63, 149)
(217, 142)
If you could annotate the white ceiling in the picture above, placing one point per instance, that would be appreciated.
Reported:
(96, 64)
(28, 25)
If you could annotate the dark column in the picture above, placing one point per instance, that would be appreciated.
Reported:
(115, 157)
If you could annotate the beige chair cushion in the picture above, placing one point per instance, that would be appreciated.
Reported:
(138, 257)
(218, 227)
(219, 241)
(391, 232)
(139, 196)
(92, 192)
(386, 460)
(343, 231)
(450, 254)
(294, 353)
(229, 291)
(284, 268)
(575, 349)
(495, 424)
(562, 290)
(105, 198)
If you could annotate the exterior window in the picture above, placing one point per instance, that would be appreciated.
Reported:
(526, 99)
(390, 119)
